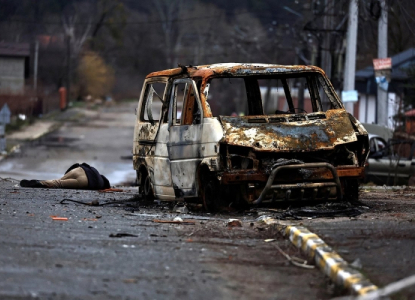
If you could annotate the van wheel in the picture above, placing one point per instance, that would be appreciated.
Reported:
(148, 189)
(211, 196)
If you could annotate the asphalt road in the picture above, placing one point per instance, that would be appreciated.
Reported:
(100, 137)
(78, 259)
(119, 251)
(81, 258)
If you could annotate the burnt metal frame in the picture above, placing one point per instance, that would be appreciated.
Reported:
(274, 172)
(173, 100)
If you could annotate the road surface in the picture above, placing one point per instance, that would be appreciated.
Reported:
(50, 250)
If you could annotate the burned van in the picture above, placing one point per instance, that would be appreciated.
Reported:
(246, 133)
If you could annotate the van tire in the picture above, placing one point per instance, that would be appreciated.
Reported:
(148, 189)
(211, 196)
(145, 186)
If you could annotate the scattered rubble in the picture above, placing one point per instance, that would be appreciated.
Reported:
(234, 223)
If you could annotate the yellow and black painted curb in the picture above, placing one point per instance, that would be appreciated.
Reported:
(328, 260)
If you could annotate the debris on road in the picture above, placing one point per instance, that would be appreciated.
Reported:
(357, 264)
(120, 235)
(110, 190)
(97, 203)
(266, 220)
(323, 210)
(184, 222)
(180, 209)
(234, 223)
(92, 203)
(298, 262)
(56, 218)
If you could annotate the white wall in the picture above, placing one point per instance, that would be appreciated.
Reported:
(12, 75)
(393, 106)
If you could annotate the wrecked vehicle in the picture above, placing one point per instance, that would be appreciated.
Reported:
(390, 163)
(244, 134)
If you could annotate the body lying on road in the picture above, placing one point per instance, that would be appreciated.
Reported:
(78, 176)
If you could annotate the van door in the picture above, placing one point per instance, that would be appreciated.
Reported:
(150, 155)
(185, 137)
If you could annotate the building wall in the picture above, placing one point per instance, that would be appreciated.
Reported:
(12, 75)
(367, 115)
(410, 125)
(370, 115)
(278, 101)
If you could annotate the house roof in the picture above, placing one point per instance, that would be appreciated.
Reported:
(410, 113)
(14, 49)
(400, 62)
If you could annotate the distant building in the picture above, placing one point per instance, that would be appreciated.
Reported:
(410, 122)
(14, 67)
(365, 108)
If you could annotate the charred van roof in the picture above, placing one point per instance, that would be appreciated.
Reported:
(236, 69)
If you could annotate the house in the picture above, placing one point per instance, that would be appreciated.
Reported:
(365, 108)
(410, 122)
(14, 67)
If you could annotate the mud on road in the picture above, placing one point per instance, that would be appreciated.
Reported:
(117, 251)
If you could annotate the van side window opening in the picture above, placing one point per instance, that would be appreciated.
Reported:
(186, 110)
(299, 93)
(152, 102)
(180, 90)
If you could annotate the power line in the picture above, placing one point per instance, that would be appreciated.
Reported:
(121, 23)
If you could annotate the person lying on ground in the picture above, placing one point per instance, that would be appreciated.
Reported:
(78, 176)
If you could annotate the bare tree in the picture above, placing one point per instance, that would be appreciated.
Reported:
(169, 12)
(206, 33)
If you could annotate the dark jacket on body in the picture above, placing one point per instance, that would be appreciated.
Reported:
(96, 181)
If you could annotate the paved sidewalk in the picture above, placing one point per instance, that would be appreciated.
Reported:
(102, 137)
(34, 131)
(41, 127)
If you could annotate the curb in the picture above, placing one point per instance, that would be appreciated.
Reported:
(328, 260)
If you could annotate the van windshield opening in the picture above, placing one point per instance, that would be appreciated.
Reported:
(268, 95)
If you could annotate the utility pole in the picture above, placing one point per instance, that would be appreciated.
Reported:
(35, 31)
(326, 60)
(350, 65)
(69, 36)
(382, 99)
(35, 67)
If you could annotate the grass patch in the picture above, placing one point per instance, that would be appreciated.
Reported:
(18, 124)
(128, 100)
(76, 104)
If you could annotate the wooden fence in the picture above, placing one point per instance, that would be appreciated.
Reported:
(31, 105)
